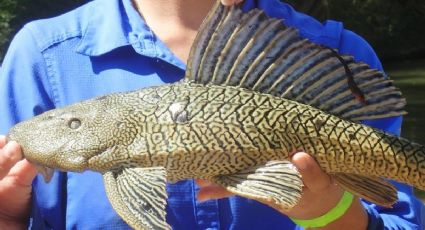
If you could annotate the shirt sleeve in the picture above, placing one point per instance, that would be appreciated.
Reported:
(24, 90)
(407, 213)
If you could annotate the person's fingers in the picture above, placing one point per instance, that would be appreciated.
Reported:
(2, 141)
(209, 190)
(312, 175)
(23, 173)
(203, 183)
(230, 2)
(10, 154)
(213, 192)
(313, 178)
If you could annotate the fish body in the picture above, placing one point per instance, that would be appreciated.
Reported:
(198, 131)
(254, 93)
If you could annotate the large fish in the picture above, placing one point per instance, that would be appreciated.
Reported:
(254, 92)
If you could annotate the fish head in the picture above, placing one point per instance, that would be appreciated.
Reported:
(66, 138)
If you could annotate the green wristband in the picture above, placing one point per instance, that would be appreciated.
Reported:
(333, 214)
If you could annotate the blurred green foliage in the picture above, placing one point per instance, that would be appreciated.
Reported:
(15, 13)
(7, 7)
(395, 28)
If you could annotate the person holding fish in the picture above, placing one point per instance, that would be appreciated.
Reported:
(114, 46)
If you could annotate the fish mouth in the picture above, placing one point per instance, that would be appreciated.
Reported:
(46, 172)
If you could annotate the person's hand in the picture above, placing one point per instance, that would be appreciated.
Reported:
(16, 176)
(320, 194)
(230, 2)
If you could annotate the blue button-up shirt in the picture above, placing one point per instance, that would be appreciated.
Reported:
(104, 47)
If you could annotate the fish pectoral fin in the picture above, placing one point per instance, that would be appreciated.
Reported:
(276, 182)
(139, 196)
(370, 188)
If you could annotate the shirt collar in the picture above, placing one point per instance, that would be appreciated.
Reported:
(116, 23)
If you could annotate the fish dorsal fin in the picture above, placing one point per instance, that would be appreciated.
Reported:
(255, 52)
(202, 39)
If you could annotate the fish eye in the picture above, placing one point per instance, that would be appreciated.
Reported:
(74, 123)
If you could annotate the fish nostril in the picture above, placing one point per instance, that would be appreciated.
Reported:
(74, 123)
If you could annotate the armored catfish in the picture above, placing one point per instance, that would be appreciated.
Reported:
(254, 92)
